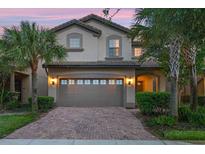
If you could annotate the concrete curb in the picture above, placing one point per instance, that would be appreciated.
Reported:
(87, 142)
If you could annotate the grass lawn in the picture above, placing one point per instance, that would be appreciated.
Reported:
(9, 123)
(184, 135)
(179, 131)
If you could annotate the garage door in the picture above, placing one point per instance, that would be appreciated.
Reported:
(90, 92)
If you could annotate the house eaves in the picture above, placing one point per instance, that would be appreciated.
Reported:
(105, 22)
(87, 27)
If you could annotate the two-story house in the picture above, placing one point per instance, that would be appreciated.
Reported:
(101, 68)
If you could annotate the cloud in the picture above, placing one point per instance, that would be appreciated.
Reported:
(51, 17)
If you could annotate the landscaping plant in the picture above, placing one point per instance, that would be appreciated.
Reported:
(153, 103)
(44, 103)
(28, 45)
(163, 120)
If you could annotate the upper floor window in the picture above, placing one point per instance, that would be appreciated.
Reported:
(74, 41)
(137, 52)
(114, 46)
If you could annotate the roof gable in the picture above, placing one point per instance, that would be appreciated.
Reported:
(105, 22)
(87, 27)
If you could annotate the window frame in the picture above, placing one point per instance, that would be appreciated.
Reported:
(74, 35)
(114, 37)
(133, 51)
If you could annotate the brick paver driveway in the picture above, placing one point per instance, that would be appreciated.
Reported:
(85, 123)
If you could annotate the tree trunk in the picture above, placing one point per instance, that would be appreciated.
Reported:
(174, 97)
(2, 95)
(34, 91)
(193, 88)
(174, 56)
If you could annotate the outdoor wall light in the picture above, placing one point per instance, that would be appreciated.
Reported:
(53, 81)
(129, 81)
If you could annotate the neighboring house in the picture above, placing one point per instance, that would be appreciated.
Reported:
(20, 81)
(101, 67)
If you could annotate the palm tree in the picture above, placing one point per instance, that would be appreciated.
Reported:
(159, 30)
(29, 44)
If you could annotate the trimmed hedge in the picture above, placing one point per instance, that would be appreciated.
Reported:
(151, 103)
(184, 135)
(162, 121)
(44, 103)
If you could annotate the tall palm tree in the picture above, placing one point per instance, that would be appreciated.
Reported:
(29, 44)
(158, 29)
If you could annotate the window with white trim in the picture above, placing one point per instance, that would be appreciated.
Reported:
(74, 41)
(137, 52)
(114, 48)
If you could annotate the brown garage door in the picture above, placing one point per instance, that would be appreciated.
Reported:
(90, 92)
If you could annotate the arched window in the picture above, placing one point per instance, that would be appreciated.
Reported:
(114, 46)
(74, 41)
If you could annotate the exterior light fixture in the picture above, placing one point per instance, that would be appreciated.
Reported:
(53, 81)
(129, 81)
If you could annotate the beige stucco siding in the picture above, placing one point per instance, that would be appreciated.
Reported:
(89, 44)
(94, 48)
(107, 31)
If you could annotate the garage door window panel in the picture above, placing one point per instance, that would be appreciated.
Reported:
(87, 82)
(96, 82)
(111, 82)
(71, 82)
(79, 82)
(119, 82)
(103, 82)
(64, 82)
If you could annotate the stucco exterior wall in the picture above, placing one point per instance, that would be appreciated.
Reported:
(42, 83)
(94, 48)
(128, 90)
(107, 31)
(89, 44)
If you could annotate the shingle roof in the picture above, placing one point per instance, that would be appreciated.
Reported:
(105, 64)
(94, 64)
(105, 21)
(79, 23)
(150, 63)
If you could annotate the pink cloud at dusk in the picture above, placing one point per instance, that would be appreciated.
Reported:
(52, 17)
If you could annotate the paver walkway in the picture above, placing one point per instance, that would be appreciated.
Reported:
(97, 123)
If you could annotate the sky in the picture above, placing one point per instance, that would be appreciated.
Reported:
(53, 17)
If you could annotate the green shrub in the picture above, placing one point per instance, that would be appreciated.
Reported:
(201, 100)
(13, 104)
(153, 103)
(44, 103)
(196, 118)
(184, 135)
(162, 121)
(184, 113)
(201, 109)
